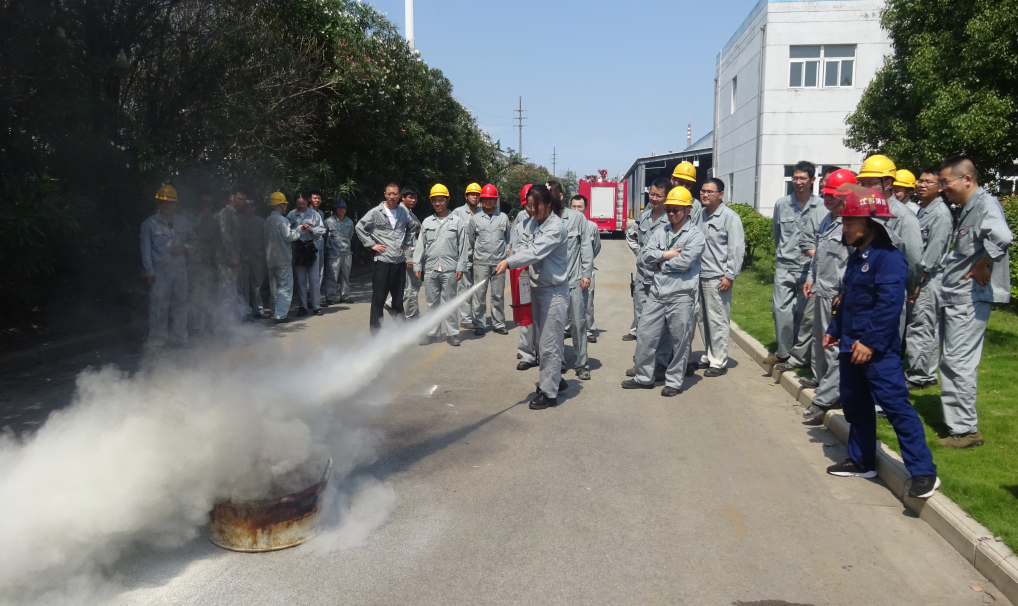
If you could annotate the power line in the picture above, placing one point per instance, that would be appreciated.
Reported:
(519, 119)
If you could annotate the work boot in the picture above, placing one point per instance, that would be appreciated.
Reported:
(317, 312)
(542, 401)
(815, 413)
(715, 372)
(569, 335)
(591, 339)
(501, 331)
(962, 440)
(453, 340)
(629, 337)
(849, 469)
(524, 365)
(916, 386)
(634, 384)
(302, 312)
(670, 392)
(923, 487)
(479, 331)
(345, 299)
(324, 303)
(690, 369)
(809, 383)
(583, 374)
(281, 320)
(784, 367)
(772, 360)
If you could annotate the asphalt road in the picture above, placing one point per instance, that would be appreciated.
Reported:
(718, 496)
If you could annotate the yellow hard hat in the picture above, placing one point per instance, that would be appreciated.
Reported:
(473, 188)
(877, 166)
(167, 193)
(679, 196)
(277, 198)
(440, 190)
(685, 170)
(904, 178)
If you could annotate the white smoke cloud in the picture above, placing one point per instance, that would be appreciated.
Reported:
(141, 459)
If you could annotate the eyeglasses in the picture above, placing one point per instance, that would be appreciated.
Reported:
(945, 182)
(708, 191)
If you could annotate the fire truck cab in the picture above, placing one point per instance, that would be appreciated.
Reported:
(606, 204)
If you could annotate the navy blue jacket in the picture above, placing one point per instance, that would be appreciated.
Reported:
(874, 293)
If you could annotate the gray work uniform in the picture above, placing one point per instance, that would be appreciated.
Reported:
(488, 237)
(671, 303)
(595, 245)
(201, 271)
(167, 304)
(467, 311)
(412, 289)
(307, 280)
(542, 248)
(922, 334)
(906, 235)
(827, 270)
(792, 326)
(374, 228)
(441, 251)
(981, 231)
(526, 349)
(338, 257)
(638, 235)
(230, 309)
(724, 251)
(252, 261)
(279, 237)
(580, 253)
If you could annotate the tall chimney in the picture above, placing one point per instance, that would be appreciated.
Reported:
(689, 127)
(409, 5)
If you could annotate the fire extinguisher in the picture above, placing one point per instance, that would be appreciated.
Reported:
(519, 285)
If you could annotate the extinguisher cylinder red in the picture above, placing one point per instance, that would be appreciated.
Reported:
(519, 287)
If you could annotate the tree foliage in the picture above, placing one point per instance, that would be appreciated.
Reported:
(104, 100)
(950, 86)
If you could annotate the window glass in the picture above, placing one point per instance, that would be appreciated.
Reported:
(805, 52)
(831, 73)
(811, 72)
(795, 74)
(846, 72)
(838, 50)
(789, 169)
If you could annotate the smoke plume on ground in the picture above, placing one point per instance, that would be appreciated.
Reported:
(141, 459)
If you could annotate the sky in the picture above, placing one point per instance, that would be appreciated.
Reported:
(603, 83)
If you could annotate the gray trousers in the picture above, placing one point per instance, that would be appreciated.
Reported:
(550, 307)
(308, 283)
(337, 277)
(482, 274)
(167, 305)
(714, 316)
(922, 335)
(525, 347)
(578, 325)
(411, 295)
(201, 279)
(788, 306)
(252, 275)
(664, 349)
(673, 316)
(961, 341)
(231, 302)
(825, 361)
(591, 330)
(466, 315)
(440, 287)
(280, 290)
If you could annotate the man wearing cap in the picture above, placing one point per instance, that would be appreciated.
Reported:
(166, 238)
(387, 230)
(922, 334)
(684, 175)
(903, 188)
(411, 296)
(279, 236)
(674, 253)
(976, 274)
(487, 239)
(465, 214)
(580, 264)
(338, 254)
(793, 323)
(526, 349)
(440, 259)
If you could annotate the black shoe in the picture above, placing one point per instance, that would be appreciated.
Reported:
(715, 372)
(849, 469)
(324, 303)
(809, 383)
(690, 369)
(453, 340)
(670, 392)
(634, 384)
(814, 413)
(583, 374)
(345, 299)
(702, 365)
(659, 373)
(628, 337)
(542, 401)
(521, 365)
(915, 386)
(281, 320)
(569, 335)
(501, 331)
(302, 312)
(317, 312)
(478, 331)
(923, 487)
(562, 385)
(591, 339)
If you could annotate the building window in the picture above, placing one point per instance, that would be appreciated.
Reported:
(830, 66)
(735, 90)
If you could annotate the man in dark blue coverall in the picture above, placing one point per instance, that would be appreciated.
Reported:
(865, 330)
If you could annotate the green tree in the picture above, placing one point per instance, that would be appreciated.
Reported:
(950, 86)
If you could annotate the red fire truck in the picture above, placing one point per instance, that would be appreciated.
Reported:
(606, 202)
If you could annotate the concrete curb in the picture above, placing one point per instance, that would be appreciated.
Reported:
(972, 540)
(51, 352)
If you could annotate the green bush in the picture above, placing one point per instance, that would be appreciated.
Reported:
(1010, 204)
(759, 233)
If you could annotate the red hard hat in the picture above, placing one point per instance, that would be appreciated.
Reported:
(489, 191)
(862, 202)
(523, 193)
(835, 179)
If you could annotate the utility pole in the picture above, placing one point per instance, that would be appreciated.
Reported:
(409, 8)
(554, 158)
(519, 125)
(689, 135)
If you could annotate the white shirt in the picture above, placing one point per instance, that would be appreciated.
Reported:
(391, 215)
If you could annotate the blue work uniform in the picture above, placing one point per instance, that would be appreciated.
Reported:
(874, 291)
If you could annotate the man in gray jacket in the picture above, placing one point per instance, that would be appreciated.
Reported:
(472, 197)
(976, 275)
(386, 229)
(488, 237)
(252, 259)
(338, 254)
(166, 238)
(922, 335)
(228, 255)
(279, 237)
(440, 258)
(580, 259)
(724, 250)
(306, 278)
(579, 204)
(411, 292)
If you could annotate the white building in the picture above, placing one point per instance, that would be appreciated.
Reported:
(786, 81)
